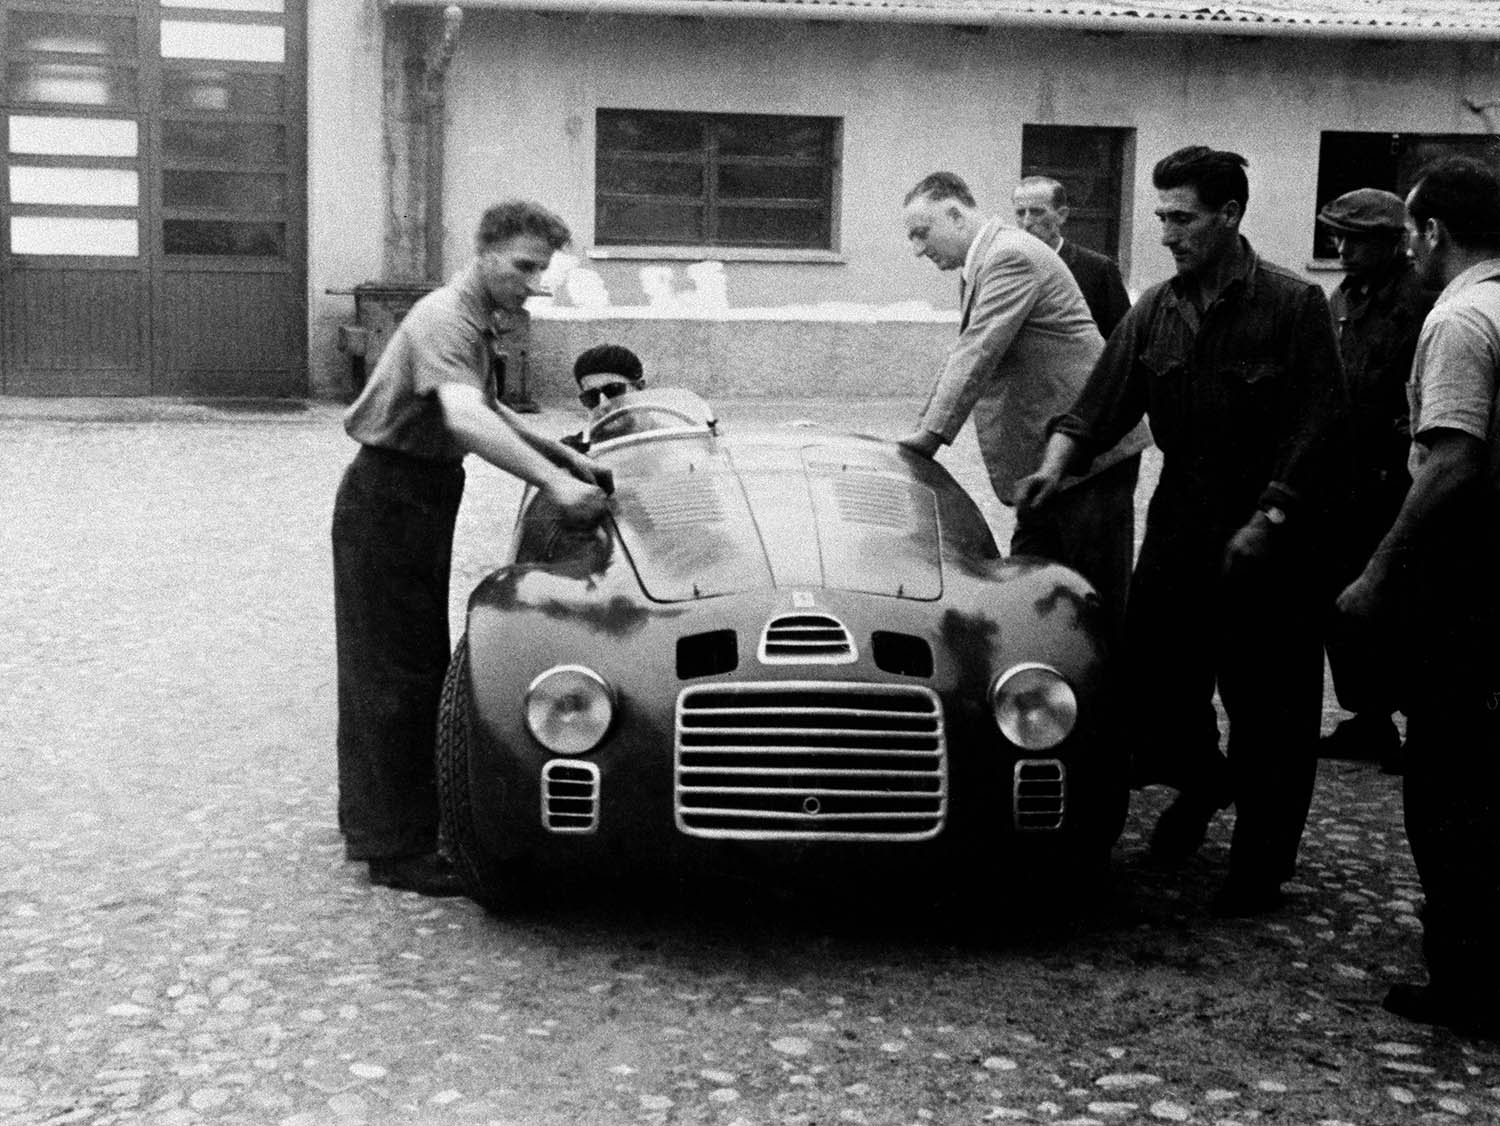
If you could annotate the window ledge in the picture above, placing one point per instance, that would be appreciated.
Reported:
(714, 254)
(1324, 266)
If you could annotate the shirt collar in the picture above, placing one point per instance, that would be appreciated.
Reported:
(1480, 271)
(1244, 277)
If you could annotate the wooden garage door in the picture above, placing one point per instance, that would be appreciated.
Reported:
(154, 224)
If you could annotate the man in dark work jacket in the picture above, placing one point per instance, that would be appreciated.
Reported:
(1041, 209)
(1235, 362)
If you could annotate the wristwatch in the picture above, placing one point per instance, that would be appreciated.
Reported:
(1274, 515)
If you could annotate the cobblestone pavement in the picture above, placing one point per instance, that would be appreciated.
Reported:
(182, 942)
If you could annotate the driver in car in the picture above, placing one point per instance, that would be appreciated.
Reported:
(604, 373)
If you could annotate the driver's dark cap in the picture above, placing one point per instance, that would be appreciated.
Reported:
(608, 359)
(1364, 211)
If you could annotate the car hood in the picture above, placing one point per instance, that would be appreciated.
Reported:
(725, 521)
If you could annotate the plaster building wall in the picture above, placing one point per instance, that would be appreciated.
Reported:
(523, 90)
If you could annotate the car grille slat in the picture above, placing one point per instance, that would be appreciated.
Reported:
(824, 772)
(570, 796)
(810, 760)
(776, 735)
(1040, 796)
(793, 815)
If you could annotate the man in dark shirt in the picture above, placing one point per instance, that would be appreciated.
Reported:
(1234, 361)
(1378, 310)
(1041, 209)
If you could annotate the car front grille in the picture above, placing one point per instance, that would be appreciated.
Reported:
(810, 760)
(1041, 794)
(570, 796)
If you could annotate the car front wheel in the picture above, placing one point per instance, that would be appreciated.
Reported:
(493, 888)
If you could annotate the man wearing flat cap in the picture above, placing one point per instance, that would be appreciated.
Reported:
(1378, 310)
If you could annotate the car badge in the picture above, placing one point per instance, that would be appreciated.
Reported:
(803, 599)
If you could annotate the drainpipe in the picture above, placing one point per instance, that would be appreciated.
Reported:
(434, 105)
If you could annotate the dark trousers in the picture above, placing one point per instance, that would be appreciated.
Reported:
(1452, 808)
(1091, 528)
(1362, 677)
(1256, 638)
(392, 551)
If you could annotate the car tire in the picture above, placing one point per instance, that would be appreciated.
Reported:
(484, 884)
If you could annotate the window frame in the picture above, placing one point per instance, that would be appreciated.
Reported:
(711, 126)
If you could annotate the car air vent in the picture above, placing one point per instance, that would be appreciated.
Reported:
(806, 639)
(707, 654)
(864, 498)
(1041, 789)
(901, 653)
(681, 501)
(570, 796)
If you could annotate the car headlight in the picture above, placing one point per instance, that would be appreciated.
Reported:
(1034, 706)
(569, 709)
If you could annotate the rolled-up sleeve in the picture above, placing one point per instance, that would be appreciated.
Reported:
(1458, 364)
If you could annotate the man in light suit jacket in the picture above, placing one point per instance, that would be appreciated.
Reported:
(1026, 345)
(1041, 209)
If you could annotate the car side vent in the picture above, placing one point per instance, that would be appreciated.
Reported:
(806, 639)
(570, 796)
(901, 653)
(707, 654)
(1040, 794)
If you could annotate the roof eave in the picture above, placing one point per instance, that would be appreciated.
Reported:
(1149, 24)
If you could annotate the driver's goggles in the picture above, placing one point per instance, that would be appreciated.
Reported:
(592, 396)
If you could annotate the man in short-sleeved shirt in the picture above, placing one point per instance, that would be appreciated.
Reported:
(445, 338)
(430, 401)
(1454, 372)
(1429, 595)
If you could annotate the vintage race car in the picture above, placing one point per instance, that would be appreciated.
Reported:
(785, 644)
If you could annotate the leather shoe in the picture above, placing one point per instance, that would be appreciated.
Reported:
(428, 874)
(1425, 1005)
(1181, 828)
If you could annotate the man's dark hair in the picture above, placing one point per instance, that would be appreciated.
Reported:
(515, 217)
(1464, 195)
(1059, 193)
(1216, 175)
(939, 186)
